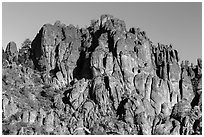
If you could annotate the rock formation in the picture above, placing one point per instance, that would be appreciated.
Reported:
(100, 80)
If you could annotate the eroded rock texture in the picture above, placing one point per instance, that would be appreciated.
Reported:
(100, 80)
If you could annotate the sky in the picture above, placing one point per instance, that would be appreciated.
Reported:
(179, 24)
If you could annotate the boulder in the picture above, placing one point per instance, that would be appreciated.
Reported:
(25, 116)
(9, 107)
(42, 116)
(12, 52)
(33, 115)
(49, 122)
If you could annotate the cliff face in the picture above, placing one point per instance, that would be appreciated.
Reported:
(99, 80)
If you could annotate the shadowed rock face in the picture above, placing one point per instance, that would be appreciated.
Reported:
(99, 80)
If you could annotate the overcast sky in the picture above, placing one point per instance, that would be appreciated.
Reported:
(179, 24)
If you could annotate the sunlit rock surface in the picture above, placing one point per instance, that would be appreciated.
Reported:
(102, 79)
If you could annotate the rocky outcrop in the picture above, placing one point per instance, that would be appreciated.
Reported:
(100, 80)
(12, 52)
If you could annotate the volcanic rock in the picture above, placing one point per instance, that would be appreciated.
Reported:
(102, 79)
(12, 52)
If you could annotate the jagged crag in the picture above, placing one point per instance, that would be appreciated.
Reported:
(101, 79)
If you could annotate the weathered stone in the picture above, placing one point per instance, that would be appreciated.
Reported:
(25, 116)
(165, 110)
(103, 40)
(187, 89)
(101, 79)
(5, 63)
(42, 115)
(49, 122)
(109, 23)
(33, 115)
(129, 117)
(117, 35)
(144, 54)
(138, 105)
(60, 78)
(97, 62)
(176, 129)
(12, 52)
(100, 94)
(124, 45)
(88, 106)
(180, 110)
(55, 45)
(5, 102)
(159, 94)
(64, 72)
(117, 72)
(131, 36)
(79, 93)
(140, 83)
(44, 53)
(141, 120)
(200, 101)
(109, 64)
(199, 62)
(163, 129)
(55, 83)
(9, 107)
(4, 55)
(199, 86)
(148, 87)
(127, 66)
(148, 108)
(116, 91)
(174, 72)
